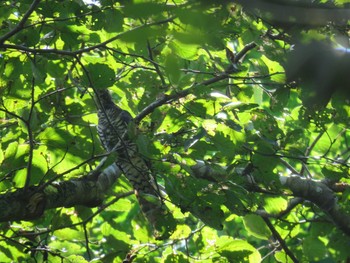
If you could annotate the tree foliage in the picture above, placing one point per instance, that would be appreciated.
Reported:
(241, 112)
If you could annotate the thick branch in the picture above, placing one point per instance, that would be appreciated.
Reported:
(314, 191)
(28, 204)
(321, 195)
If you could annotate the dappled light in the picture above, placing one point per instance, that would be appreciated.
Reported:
(174, 131)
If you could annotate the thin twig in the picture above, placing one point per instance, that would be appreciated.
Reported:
(88, 250)
(150, 53)
(177, 95)
(244, 51)
(280, 239)
(309, 149)
(288, 166)
(83, 50)
(30, 137)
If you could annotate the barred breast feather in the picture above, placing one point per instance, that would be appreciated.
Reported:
(112, 129)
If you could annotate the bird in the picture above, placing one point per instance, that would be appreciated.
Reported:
(113, 126)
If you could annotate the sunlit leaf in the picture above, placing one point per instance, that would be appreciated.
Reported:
(76, 258)
(237, 250)
(314, 249)
(185, 51)
(275, 205)
(172, 68)
(178, 257)
(99, 76)
(113, 20)
(256, 226)
(282, 257)
(279, 99)
(221, 131)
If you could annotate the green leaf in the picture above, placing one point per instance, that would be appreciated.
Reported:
(106, 229)
(256, 226)
(198, 107)
(332, 173)
(146, 147)
(252, 122)
(224, 144)
(266, 124)
(122, 205)
(11, 150)
(30, 116)
(236, 250)
(59, 221)
(201, 200)
(296, 139)
(265, 165)
(56, 69)
(14, 159)
(172, 68)
(39, 165)
(314, 249)
(274, 67)
(178, 257)
(144, 9)
(173, 122)
(69, 35)
(84, 212)
(137, 35)
(77, 259)
(282, 257)
(39, 70)
(185, 51)
(69, 234)
(210, 214)
(62, 243)
(275, 205)
(20, 178)
(13, 68)
(192, 141)
(100, 76)
(29, 37)
(258, 65)
(113, 20)
(7, 251)
(181, 230)
(1, 156)
(279, 99)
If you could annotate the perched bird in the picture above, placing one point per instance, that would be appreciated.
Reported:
(113, 124)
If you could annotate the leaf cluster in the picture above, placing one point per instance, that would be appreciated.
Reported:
(262, 113)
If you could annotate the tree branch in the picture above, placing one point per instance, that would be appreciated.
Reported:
(244, 51)
(30, 203)
(321, 195)
(83, 50)
(314, 191)
(21, 23)
(280, 239)
(177, 95)
(156, 66)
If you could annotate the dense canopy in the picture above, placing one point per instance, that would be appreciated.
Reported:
(240, 109)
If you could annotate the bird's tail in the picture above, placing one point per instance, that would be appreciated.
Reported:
(148, 195)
